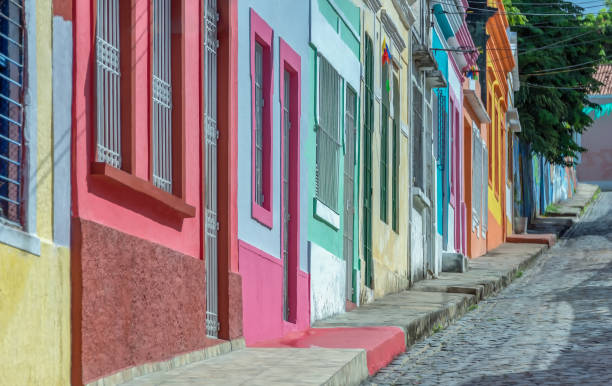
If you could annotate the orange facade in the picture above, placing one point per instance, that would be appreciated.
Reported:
(500, 62)
(475, 124)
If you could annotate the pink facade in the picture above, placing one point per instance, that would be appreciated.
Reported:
(138, 271)
(262, 299)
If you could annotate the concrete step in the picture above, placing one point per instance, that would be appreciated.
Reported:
(380, 343)
(269, 366)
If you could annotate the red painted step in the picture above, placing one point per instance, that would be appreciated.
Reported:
(382, 344)
(533, 238)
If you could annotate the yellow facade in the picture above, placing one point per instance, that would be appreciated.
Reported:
(389, 248)
(35, 290)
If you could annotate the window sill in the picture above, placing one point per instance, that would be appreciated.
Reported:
(326, 214)
(19, 239)
(262, 215)
(418, 193)
(105, 172)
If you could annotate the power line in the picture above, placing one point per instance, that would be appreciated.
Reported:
(576, 65)
(522, 3)
(555, 87)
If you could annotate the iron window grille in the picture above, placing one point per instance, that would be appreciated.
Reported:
(162, 96)
(328, 135)
(11, 110)
(211, 45)
(108, 82)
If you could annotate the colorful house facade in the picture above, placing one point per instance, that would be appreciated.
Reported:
(499, 65)
(330, 156)
(35, 105)
(274, 84)
(154, 268)
(384, 151)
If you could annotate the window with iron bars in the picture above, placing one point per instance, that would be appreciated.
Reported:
(108, 82)
(11, 111)
(162, 96)
(384, 141)
(328, 135)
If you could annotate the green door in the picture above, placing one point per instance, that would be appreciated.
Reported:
(367, 167)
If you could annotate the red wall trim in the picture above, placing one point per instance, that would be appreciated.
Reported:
(230, 294)
(262, 33)
(290, 61)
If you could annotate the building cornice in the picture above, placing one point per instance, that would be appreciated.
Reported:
(405, 12)
(392, 31)
(374, 5)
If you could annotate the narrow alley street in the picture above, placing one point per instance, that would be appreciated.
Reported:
(553, 325)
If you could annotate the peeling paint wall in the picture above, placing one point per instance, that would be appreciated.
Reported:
(327, 283)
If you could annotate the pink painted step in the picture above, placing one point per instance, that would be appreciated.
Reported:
(382, 344)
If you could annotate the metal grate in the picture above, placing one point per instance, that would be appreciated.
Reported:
(11, 110)
(286, 192)
(211, 45)
(259, 102)
(418, 174)
(108, 79)
(162, 96)
(328, 135)
(384, 142)
(349, 177)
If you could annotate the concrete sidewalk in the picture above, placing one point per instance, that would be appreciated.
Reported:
(344, 349)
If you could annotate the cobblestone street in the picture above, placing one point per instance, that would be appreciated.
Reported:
(551, 326)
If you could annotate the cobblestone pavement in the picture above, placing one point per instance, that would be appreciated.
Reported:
(551, 326)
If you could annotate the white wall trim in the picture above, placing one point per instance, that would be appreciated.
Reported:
(19, 239)
(326, 214)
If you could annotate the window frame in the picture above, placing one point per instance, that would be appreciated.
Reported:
(385, 114)
(124, 178)
(262, 33)
(290, 62)
(327, 214)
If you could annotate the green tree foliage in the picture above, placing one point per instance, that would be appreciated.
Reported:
(559, 49)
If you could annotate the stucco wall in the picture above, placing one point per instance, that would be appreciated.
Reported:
(389, 248)
(120, 208)
(288, 22)
(35, 285)
(262, 296)
(140, 301)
